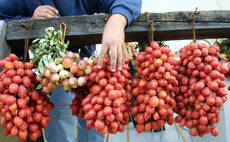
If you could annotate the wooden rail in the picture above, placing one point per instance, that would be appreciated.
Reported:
(84, 30)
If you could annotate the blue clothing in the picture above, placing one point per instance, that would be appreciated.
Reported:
(24, 9)
(62, 127)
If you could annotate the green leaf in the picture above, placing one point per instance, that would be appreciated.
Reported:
(41, 67)
(46, 63)
(42, 41)
(48, 49)
(39, 87)
(48, 95)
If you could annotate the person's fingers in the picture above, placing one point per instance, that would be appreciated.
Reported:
(45, 14)
(102, 54)
(113, 57)
(52, 9)
(120, 57)
(123, 53)
(51, 13)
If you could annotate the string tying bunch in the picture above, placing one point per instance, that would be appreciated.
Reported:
(62, 29)
(27, 27)
(151, 27)
(192, 19)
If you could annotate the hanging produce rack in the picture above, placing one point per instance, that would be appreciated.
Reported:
(84, 30)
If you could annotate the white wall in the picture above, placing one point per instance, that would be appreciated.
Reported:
(186, 5)
(157, 6)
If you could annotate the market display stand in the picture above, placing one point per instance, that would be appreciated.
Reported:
(84, 30)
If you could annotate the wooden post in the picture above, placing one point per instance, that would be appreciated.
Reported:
(107, 138)
(128, 132)
(180, 131)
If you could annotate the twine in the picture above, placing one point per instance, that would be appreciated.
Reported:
(151, 27)
(27, 27)
(192, 19)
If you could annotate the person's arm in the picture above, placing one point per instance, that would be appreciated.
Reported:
(123, 13)
(21, 10)
(13, 10)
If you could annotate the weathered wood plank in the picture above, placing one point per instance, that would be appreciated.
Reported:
(83, 30)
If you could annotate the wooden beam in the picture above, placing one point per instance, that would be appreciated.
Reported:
(84, 30)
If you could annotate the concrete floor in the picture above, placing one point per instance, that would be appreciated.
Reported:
(8, 138)
(169, 135)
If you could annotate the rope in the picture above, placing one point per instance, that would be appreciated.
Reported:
(27, 27)
(192, 19)
(62, 24)
(151, 27)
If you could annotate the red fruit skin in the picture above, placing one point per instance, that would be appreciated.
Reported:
(96, 89)
(13, 57)
(22, 103)
(26, 81)
(29, 73)
(215, 132)
(33, 127)
(203, 120)
(99, 124)
(13, 88)
(37, 117)
(9, 100)
(11, 73)
(7, 81)
(20, 72)
(23, 135)
(140, 128)
(44, 123)
(22, 92)
(18, 121)
(17, 79)
(29, 65)
(19, 65)
(34, 95)
(9, 66)
(193, 131)
(14, 131)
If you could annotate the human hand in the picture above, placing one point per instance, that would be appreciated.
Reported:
(45, 11)
(113, 41)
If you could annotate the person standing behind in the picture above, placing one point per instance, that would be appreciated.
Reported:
(61, 129)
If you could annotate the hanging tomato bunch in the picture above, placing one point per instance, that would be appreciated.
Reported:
(106, 106)
(152, 88)
(201, 92)
(24, 110)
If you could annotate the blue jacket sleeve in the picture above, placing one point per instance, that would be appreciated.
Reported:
(131, 9)
(14, 10)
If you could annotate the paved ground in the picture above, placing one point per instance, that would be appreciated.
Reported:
(169, 135)
(7, 139)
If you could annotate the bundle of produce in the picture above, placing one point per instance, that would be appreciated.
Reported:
(76, 106)
(106, 107)
(57, 66)
(24, 111)
(152, 88)
(201, 93)
(68, 73)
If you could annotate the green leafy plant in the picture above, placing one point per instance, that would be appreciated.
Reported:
(225, 48)
(47, 49)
